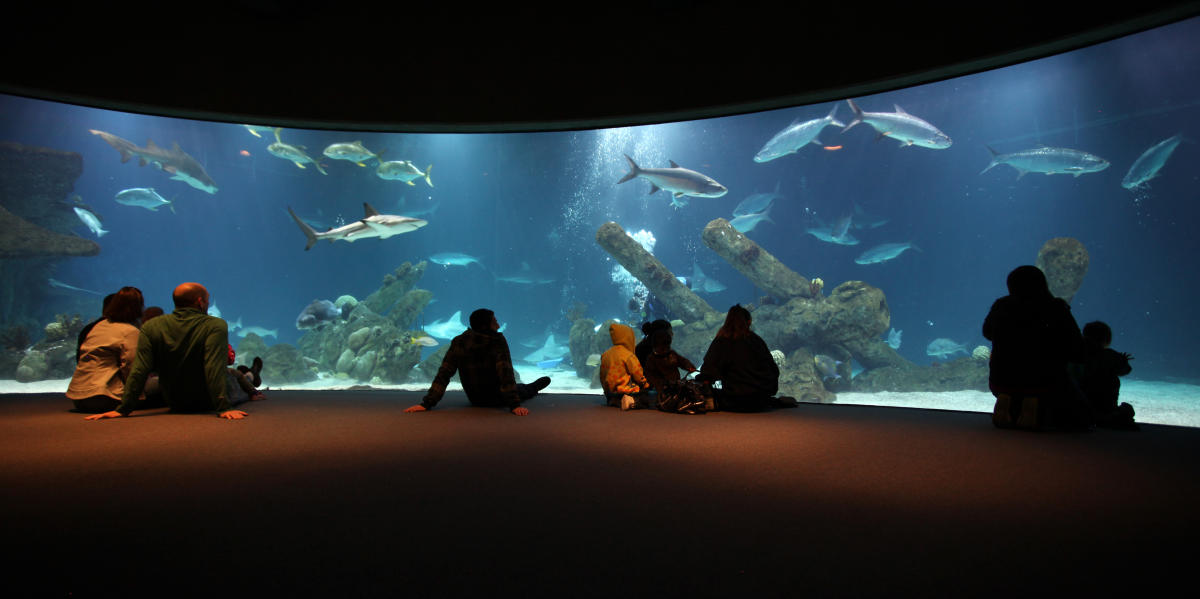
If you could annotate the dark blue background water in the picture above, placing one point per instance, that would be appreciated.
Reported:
(539, 198)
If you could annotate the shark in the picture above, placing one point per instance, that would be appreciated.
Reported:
(175, 161)
(447, 329)
(61, 285)
(448, 259)
(373, 224)
(525, 276)
(548, 351)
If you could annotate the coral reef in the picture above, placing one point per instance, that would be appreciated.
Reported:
(51, 358)
(1065, 262)
(982, 352)
(283, 363)
(758, 265)
(374, 343)
(657, 278)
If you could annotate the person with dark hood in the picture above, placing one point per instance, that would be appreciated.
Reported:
(1034, 337)
(740, 360)
(480, 357)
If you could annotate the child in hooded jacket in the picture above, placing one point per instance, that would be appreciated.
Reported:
(621, 374)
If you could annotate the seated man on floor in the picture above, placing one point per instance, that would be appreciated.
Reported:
(189, 350)
(480, 356)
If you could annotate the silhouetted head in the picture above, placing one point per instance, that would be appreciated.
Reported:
(648, 328)
(1028, 282)
(125, 306)
(1097, 333)
(191, 295)
(108, 298)
(737, 323)
(482, 320)
(660, 340)
(151, 312)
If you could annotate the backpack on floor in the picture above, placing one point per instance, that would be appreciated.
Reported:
(681, 397)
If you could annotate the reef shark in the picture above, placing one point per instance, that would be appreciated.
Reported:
(373, 224)
(549, 350)
(174, 161)
(447, 329)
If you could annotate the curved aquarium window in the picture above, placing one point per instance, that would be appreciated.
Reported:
(869, 236)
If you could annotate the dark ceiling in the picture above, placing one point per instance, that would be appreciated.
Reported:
(459, 67)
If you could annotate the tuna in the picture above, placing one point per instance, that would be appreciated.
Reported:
(884, 252)
(1151, 161)
(678, 181)
(900, 126)
(1049, 161)
(796, 136)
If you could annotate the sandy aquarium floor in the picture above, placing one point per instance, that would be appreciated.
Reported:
(1155, 402)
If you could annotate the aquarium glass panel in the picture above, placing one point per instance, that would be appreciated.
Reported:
(869, 236)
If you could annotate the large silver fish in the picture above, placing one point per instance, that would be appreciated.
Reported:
(294, 153)
(796, 136)
(143, 197)
(91, 221)
(352, 151)
(746, 222)
(1151, 161)
(403, 170)
(884, 252)
(677, 180)
(757, 202)
(901, 126)
(1049, 161)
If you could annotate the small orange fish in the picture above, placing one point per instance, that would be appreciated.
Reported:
(245, 152)
(831, 148)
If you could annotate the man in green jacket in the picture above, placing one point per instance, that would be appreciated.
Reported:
(189, 350)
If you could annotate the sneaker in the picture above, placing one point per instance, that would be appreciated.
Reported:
(627, 403)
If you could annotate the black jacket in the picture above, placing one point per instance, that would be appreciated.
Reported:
(484, 367)
(744, 367)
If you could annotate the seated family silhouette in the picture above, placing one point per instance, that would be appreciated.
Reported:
(1044, 372)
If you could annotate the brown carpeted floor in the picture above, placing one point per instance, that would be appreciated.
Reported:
(342, 494)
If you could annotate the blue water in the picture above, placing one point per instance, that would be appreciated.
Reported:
(538, 199)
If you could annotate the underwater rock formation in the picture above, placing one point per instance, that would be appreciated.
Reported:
(800, 379)
(37, 220)
(657, 278)
(23, 239)
(1065, 262)
(758, 265)
(283, 363)
(54, 356)
(394, 297)
(250, 346)
(849, 320)
(963, 374)
(373, 343)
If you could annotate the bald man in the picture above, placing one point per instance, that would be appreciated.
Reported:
(189, 350)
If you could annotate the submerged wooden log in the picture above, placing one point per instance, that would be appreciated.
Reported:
(657, 278)
(758, 265)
